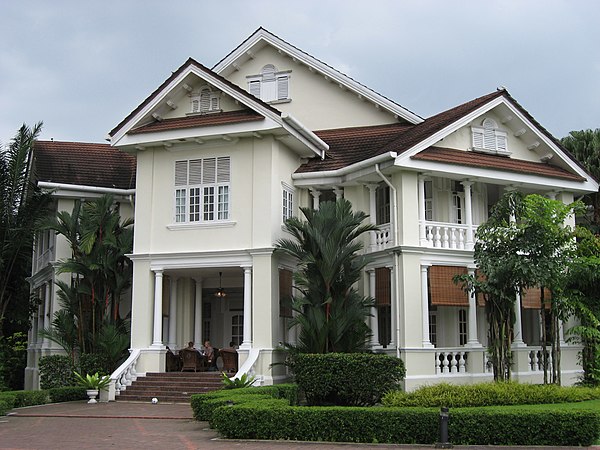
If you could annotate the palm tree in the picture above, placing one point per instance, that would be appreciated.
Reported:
(330, 313)
(585, 146)
(22, 204)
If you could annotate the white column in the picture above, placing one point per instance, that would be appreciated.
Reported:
(393, 309)
(47, 312)
(198, 313)
(173, 313)
(472, 340)
(157, 330)
(339, 193)
(374, 318)
(468, 214)
(247, 339)
(316, 194)
(561, 333)
(518, 331)
(425, 307)
(422, 230)
(372, 210)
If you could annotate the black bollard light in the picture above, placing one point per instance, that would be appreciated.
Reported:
(444, 417)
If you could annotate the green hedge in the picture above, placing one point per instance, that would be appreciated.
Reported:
(29, 398)
(203, 405)
(489, 394)
(56, 371)
(67, 394)
(339, 378)
(469, 426)
(7, 402)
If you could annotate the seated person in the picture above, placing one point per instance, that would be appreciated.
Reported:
(210, 355)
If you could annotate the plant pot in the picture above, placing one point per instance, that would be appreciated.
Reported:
(92, 394)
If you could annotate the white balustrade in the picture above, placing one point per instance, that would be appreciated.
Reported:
(124, 375)
(450, 361)
(383, 237)
(445, 235)
(536, 360)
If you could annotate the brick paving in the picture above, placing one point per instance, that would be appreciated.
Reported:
(137, 425)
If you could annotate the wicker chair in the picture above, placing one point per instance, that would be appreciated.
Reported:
(230, 359)
(191, 360)
(173, 362)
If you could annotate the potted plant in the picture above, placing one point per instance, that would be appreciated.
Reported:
(93, 384)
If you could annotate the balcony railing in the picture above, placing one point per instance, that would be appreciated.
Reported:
(381, 239)
(446, 235)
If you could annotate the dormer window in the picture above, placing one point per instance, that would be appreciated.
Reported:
(205, 101)
(270, 85)
(489, 139)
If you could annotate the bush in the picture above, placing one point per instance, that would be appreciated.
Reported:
(29, 398)
(56, 371)
(13, 359)
(7, 402)
(349, 379)
(67, 394)
(488, 394)
(92, 363)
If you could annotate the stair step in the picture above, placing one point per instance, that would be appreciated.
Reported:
(171, 386)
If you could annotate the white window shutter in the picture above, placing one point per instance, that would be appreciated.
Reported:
(214, 103)
(223, 173)
(195, 104)
(254, 88)
(268, 72)
(205, 100)
(501, 141)
(282, 88)
(181, 173)
(208, 171)
(195, 171)
(477, 138)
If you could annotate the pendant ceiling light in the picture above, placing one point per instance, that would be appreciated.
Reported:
(220, 293)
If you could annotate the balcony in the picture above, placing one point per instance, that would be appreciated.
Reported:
(382, 238)
(446, 235)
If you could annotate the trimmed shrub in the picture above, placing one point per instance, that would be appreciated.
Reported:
(346, 379)
(7, 402)
(29, 398)
(92, 363)
(56, 371)
(67, 394)
(489, 394)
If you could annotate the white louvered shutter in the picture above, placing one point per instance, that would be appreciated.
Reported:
(208, 171)
(195, 105)
(477, 138)
(205, 100)
(282, 88)
(195, 171)
(223, 169)
(181, 170)
(254, 88)
(501, 141)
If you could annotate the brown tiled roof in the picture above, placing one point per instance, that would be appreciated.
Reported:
(473, 159)
(85, 164)
(203, 120)
(350, 145)
(174, 75)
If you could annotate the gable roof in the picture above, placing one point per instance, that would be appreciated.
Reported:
(83, 164)
(263, 37)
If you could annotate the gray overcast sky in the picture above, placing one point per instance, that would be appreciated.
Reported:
(82, 66)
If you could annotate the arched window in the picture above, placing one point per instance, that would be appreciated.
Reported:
(489, 138)
(205, 101)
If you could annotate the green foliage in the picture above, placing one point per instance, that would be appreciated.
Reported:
(488, 394)
(7, 402)
(67, 394)
(95, 381)
(203, 405)
(93, 363)
(330, 313)
(56, 371)
(30, 398)
(237, 383)
(346, 379)
(13, 359)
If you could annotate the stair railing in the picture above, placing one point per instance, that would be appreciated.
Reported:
(248, 366)
(124, 375)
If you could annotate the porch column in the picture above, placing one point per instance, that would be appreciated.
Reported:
(561, 333)
(472, 340)
(316, 194)
(247, 338)
(157, 330)
(339, 192)
(374, 318)
(393, 309)
(518, 332)
(372, 211)
(173, 313)
(47, 312)
(422, 230)
(468, 214)
(198, 312)
(425, 307)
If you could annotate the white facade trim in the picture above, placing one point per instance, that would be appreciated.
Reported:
(62, 189)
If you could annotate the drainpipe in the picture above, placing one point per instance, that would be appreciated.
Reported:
(396, 257)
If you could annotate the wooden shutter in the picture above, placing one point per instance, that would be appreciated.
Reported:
(443, 290)
(285, 293)
(531, 298)
(383, 286)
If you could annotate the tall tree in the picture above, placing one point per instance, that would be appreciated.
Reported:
(585, 146)
(22, 205)
(330, 313)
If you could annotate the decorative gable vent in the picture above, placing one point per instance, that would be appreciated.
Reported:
(270, 85)
(489, 139)
(205, 101)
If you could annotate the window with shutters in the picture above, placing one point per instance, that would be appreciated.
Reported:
(488, 138)
(205, 101)
(428, 199)
(270, 85)
(202, 190)
(382, 204)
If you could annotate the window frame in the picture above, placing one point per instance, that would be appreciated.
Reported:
(488, 138)
(287, 202)
(270, 85)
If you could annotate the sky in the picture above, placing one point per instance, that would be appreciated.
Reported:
(82, 66)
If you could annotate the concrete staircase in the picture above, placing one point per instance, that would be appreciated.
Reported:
(173, 387)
